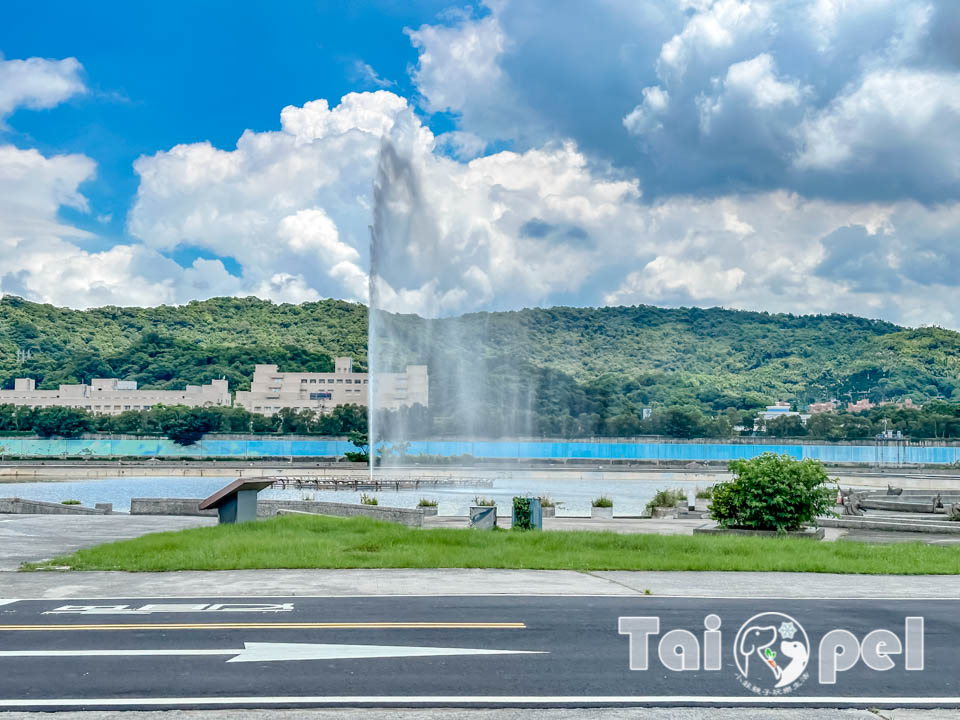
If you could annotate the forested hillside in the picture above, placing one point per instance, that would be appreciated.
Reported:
(555, 371)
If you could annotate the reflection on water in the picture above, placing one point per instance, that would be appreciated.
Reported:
(573, 491)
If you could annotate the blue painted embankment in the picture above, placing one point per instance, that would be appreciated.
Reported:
(616, 449)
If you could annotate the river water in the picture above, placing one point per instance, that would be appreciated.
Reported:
(572, 491)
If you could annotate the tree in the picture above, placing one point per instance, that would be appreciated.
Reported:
(786, 426)
(821, 425)
(61, 421)
(362, 443)
(185, 426)
(680, 422)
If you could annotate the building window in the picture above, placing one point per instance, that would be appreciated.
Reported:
(302, 380)
(258, 408)
(339, 381)
(314, 381)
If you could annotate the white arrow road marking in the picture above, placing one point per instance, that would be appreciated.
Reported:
(273, 652)
(168, 608)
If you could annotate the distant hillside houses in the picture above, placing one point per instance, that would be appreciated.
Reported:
(862, 405)
(270, 392)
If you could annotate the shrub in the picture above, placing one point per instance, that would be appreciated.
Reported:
(69, 502)
(665, 498)
(602, 502)
(427, 502)
(547, 502)
(368, 500)
(483, 502)
(705, 493)
(771, 492)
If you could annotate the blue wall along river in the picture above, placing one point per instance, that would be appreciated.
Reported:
(212, 447)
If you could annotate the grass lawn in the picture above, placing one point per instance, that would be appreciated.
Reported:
(327, 542)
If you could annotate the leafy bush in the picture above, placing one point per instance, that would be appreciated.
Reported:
(705, 493)
(771, 492)
(427, 502)
(368, 500)
(69, 502)
(483, 502)
(665, 498)
(547, 502)
(602, 501)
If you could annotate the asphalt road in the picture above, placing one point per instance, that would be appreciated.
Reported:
(416, 652)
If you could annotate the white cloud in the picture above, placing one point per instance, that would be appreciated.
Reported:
(514, 229)
(715, 28)
(364, 73)
(757, 80)
(889, 114)
(462, 145)
(645, 117)
(37, 83)
(43, 258)
(457, 62)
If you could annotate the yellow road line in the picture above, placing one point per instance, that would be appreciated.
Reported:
(274, 626)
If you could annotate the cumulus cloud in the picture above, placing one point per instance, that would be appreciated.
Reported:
(904, 121)
(37, 83)
(43, 257)
(512, 229)
(714, 96)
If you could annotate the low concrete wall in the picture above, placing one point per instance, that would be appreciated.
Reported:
(897, 505)
(19, 506)
(892, 524)
(269, 508)
(810, 533)
(168, 506)
(403, 516)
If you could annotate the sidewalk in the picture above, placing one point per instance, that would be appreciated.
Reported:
(264, 583)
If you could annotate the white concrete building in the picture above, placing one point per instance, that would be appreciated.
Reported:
(110, 396)
(272, 390)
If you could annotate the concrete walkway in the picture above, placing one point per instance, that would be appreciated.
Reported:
(250, 583)
(31, 538)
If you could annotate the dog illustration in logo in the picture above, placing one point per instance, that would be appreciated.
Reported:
(758, 639)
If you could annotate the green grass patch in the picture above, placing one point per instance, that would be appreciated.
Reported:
(326, 542)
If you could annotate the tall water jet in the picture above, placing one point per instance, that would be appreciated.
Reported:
(482, 384)
(372, 305)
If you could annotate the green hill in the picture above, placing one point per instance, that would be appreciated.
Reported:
(551, 366)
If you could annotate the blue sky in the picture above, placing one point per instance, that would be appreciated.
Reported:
(178, 72)
(786, 156)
